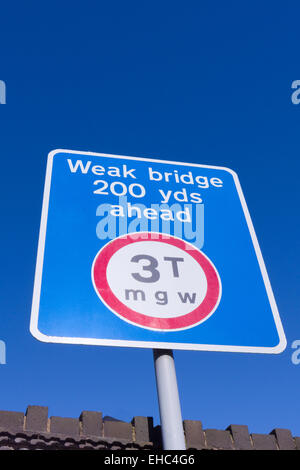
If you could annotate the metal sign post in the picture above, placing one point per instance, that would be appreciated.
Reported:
(168, 399)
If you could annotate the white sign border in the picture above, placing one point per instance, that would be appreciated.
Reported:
(146, 344)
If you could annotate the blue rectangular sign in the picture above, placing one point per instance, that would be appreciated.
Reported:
(150, 253)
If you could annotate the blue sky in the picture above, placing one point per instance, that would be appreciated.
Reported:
(201, 83)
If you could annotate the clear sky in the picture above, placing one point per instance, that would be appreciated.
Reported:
(199, 82)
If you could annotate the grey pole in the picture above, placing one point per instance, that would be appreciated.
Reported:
(168, 399)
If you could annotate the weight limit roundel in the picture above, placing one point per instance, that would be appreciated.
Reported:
(156, 281)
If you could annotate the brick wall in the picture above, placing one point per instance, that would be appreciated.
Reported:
(35, 430)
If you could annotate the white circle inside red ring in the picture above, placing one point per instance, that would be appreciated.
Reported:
(173, 294)
(200, 313)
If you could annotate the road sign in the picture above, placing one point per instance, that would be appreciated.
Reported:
(143, 298)
(150, 253)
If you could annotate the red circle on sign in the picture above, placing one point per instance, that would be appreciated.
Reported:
(188, 320)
